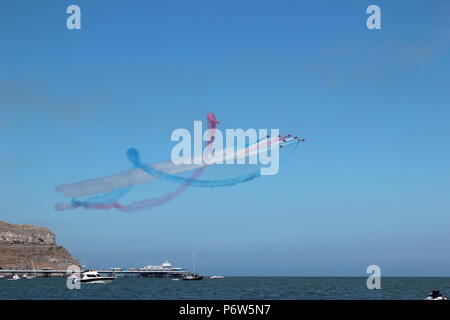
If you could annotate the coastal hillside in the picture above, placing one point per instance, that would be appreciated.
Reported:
(23, 245)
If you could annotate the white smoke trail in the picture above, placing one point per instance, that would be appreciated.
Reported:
(135, 176)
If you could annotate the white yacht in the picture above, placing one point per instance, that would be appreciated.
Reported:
(92, 277)
(216, 277)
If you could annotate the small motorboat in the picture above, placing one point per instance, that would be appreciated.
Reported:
(437, 298)
(216, 277)
(92, 277)
(14, 277)
(192, 276)
(435, 295)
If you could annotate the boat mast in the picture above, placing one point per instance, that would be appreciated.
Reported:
(34, 270)
(193, 260)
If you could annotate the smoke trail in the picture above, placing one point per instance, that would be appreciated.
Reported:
(135, 176)
(154, 202)
(138, 205)
(108, 200)
(133, 156)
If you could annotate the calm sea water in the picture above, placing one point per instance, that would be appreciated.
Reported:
(228, 288)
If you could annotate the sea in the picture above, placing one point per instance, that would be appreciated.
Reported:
(229, 288)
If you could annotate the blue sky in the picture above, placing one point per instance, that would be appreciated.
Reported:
(370, 185)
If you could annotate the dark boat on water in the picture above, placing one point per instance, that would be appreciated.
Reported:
(192, 276)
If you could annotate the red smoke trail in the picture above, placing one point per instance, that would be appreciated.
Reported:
(158, 201)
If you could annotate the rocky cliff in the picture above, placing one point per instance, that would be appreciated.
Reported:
(21, 246)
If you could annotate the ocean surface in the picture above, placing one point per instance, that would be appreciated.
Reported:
(296, 288)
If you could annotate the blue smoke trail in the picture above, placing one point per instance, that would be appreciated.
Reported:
(133, 156)
(102, 198)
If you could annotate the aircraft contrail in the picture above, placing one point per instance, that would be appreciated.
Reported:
(109, 189)
(108, 200)
(136, 176)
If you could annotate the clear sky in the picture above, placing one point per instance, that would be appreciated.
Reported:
(370, 185)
